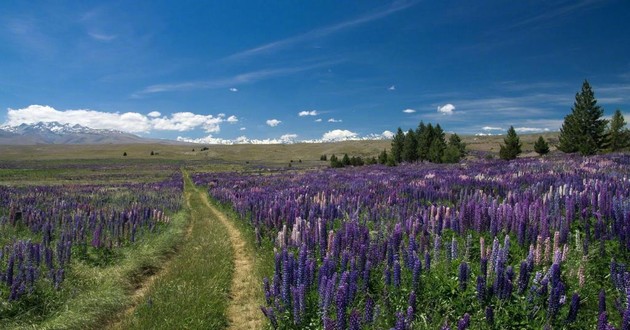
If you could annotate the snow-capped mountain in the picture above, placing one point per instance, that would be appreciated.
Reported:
(57, 133)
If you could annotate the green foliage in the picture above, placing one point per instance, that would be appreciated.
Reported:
(345, 161)
(455, 150)
(335, 162)
(512, 147)
(541, 146)
(382, 157)
(583, 129)
(397, 145)
(410, 147)
(618, 134)
(323, 158)
(425, 136)
(437, 146)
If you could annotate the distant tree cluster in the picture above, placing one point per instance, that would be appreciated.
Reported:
(346, 160)
(426, 143)
(541, 146)
(585, 130)
(512, 145)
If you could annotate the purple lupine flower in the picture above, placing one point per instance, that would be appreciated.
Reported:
(523, 277)
(368, 317)
(411, 302)
(625, 322)
(464, 322)
(463, 275)
(602, 301)
(355, 320)
(397, 271)
(481, 288)
(602, 321)
(489, 315)
(342, 304)
(554, 300)
(269, 313)
(427, 261)
(573, 308)
(400, 321)
(484, 266)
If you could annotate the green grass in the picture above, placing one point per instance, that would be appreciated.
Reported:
(91, 295)
(193, 291)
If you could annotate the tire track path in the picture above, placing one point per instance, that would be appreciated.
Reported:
(243, 312)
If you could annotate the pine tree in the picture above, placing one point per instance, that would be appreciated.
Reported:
(455, 150)
(512, 146)
(425, 138)
(583, 129)
(397, 145)
(345, 161)
(438, 144)
(410, 147)
(618, 134)
(382, 157)
(541, 146)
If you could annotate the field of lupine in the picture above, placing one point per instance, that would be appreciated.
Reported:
(533, 243)
(47, 232)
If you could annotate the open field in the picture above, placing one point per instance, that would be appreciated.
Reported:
(482, 244)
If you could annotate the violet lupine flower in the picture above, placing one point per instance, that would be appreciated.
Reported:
(523, 277)
(411, 302)
(427, 261)
(490, 315)
(481, 288)
(573, 308)
(625, 322)
(400, 321)
(602, 321)
(602, 301)
(355, 320)
(454, 248)
(464, 322)
(342, 304)
(417, 269)
(269, 313)
(397, 271)
(484, 266)
(463, 275)
(368, 317)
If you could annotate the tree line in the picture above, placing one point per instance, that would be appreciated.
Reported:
(426, 143)
(584, 130)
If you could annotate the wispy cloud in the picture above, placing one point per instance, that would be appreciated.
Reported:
(409, 111)
(322, 32)
(491, 128)
(318, 120)
(234, 90)
(392, 88)
(226, 82)
(556, 13)
(333, 120)
(102, 36)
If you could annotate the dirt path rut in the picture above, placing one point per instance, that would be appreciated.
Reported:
(244, 309)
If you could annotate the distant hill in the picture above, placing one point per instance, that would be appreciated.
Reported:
(57, 133)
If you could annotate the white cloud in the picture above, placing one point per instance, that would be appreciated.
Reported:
(288, 137)
(339, 135)
(392, 88)
(186, 121)
(387, 134)
(132, 122)
(233, 89)
(243, 128)
(232, 119)
(530, 129)
(318, 120)
(273, 122)
(490, 128)
(409, 111)
(102, 36)
(333, 120)
(446, 109)
(129, 121)
(308, 113)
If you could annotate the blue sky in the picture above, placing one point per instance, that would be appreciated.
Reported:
(221, 71)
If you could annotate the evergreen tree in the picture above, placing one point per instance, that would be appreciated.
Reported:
(541, 146)
(410, 147)
(345, 161)
(583, 129)
(334, 162)
(438, 144)
(512, 147)
(382, 157)
(425, 138)
(455, 150)
(618, 134)
(397, 145)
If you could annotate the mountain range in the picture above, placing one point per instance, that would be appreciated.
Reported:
(57, 133)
